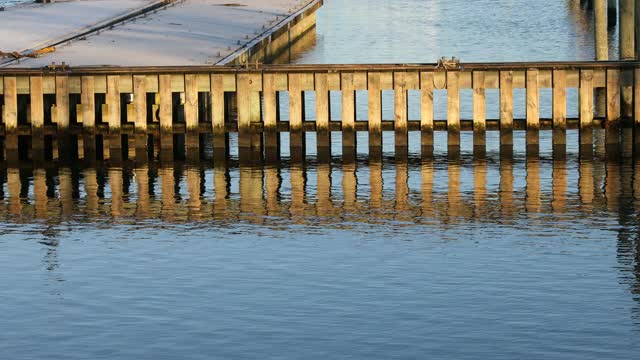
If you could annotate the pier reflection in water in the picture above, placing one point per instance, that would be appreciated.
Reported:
(490, 187)
(452, 244)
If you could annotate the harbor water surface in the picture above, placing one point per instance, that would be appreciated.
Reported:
(496, 257)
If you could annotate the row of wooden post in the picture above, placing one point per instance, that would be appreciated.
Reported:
(258, 120)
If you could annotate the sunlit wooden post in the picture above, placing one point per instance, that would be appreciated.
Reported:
(426, 113)
(479, 113)
(37, 116)
(296, 118)
(62, 116)
(453, 111)
(375, 113)
(601, 36)
(348, 115)
(166, 114)
(506, 109)
(270, 118)
(191, 114)
(533, 111)
(401, 111)
(602, 50)
(220, 137)
(113, 116)
(323, 132)
(613, 107)
(586, 111)
(10, 118)
(559, 105)
(627, 52)
(140, 106)
(88, 101)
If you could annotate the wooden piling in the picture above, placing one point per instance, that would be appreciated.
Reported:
(401, 111)
(453, 110)
(37, 115)
(627, 50)
(220, 137)
(613, 106)
(270, 102)
(586, 110)
(348, 114)
(533, 111)
(165, 113)
(140, 121)
(10, 117)
(506, 108)
(322, 114)
(296, 116)
(191, 112)
(248, 90)
(479, 112)
(559, 108)
(61, 115)
(88, 101)
(62, 102)
(113, 117)
(601, 35)
(375, 112)
(426, 112)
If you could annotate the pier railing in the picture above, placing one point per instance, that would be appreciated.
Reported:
(112, 107)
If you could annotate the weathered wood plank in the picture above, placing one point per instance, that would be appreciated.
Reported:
(88, 100)
(165, 111)
(37, 103)
(533, 108)
(244, 111)
(559, 107)
(296, 115)
(322, 111)
(375, 110)
(191, 102)
(348, 110)
(401, 109)
(217, 112)
(506, 108)
(62, 102)
(191, 115)
(479, 109)
(270, 103)
(426, 110)
(10, 113)
(586, 108)
(453, 108)
(113, 102)
(613, 106)
(140, 103)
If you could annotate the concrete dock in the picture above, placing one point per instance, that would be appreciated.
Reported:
(187, 32)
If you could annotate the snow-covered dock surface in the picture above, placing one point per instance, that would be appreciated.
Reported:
(191, 32)
(32, 25)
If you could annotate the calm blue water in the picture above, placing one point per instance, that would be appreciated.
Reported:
(466, 258)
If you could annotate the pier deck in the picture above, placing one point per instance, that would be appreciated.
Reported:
(32, 26)
(186, 32)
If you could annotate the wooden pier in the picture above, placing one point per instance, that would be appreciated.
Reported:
(117, 112)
